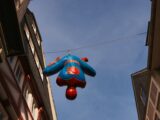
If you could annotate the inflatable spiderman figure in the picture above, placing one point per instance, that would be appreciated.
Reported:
(71, 74)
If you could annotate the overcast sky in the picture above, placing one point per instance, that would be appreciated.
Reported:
(66, 24)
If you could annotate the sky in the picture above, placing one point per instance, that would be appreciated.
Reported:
(66, 24)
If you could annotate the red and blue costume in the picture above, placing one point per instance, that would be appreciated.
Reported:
(71, 74)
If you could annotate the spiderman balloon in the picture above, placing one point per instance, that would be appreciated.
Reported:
(71, 74)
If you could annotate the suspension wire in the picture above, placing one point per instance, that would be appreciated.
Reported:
(96, 44)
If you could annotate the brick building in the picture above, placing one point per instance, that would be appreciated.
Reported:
(25, 94)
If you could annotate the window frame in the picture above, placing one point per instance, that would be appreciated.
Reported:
(35, 30)
(18, 72)
(33, 50)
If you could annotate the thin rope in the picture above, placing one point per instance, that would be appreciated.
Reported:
(96, 44)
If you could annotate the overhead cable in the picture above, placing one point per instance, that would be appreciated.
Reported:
(96, 44)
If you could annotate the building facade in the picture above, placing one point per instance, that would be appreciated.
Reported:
(151, 109)
(141, 81)
(25, 94)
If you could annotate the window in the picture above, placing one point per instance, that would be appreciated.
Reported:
(34, 28)
(18, 72)
(37, 60)
(18, 3)
(158, 103)
(26, 94)
(143, 95)
(32, 105)
(27, 32)
(28, 97)
(38, 39)
(41, 72)
(29, 38)
(10, 59)
(32, 46)
(38, 66)
(34, 110)
(36, 33)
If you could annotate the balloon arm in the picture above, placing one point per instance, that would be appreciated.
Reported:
(87, 69)
(85, 59)
(51, 63)
(54, 68)
(57, 59)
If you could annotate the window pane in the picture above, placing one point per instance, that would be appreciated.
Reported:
(37, 60)
(34, 110)
(31, 45)
(41, 72)
(36, 33)
(10, 59)
(143, 96)
(26, 32)
(26, 94)
(34, 28)
(18, 73)
(38, 39)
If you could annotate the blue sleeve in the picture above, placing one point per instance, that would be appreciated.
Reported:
(87, 68)
(54, 68)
